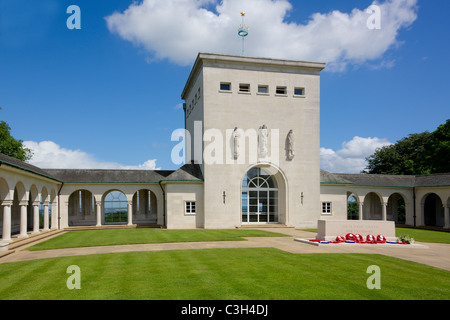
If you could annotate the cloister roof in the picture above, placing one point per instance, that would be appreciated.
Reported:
(379, 179)
(386, 180)
(107, 176)
(188, 172)
(192, 172)
(4, 159)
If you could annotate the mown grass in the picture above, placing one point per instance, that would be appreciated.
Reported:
(91, 238)
(219, 274)
(424, 235)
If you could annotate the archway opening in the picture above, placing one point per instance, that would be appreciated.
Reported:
(82, 210)
(259, 202)
(144, 207)
(372, 207)
(433, 211)
(396, 208)
(115, 208)
(352, 206)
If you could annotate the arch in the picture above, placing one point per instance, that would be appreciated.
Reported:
(82, 210)
(433, 210)
(115, 207)
(34, 194)
(53, 195)
(145, 208)
(4, 190)
(396, 208)
(372, 206)
(20, 192)
(45, 195)
(352, 206)
(260, 201)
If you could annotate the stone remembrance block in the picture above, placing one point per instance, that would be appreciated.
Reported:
(328, 230)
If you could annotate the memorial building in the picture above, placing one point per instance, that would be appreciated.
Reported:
(252, 157)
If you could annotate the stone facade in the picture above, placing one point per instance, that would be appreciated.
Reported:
(252, 150)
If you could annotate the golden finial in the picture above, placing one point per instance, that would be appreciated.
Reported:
(243, 13)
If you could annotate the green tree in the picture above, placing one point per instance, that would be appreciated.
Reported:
(438, 149)
(419, 153)
(10, 146)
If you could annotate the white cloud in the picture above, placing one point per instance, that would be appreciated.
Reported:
(351, 158)
(47, 154)
(179, 29)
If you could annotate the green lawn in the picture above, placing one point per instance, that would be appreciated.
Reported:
(235, 274)
(423, 235)
(91, 238)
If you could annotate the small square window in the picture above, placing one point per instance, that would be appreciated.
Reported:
(299, 91)
(263, 89)
(225, 86)
(189, 207)
(243, 87)
(326, 207)
(281, 90)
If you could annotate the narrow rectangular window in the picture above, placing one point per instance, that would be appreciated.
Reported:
(281, 90)
(243, 87)
(189, 207)
(263, 89)
(225, 86)
(299, 91)
(326, 207)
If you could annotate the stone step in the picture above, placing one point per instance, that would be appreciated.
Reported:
(265, 225)
(112, 226)
(18, 243)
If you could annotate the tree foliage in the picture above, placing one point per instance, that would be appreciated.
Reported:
(10, 146)
(419, 153)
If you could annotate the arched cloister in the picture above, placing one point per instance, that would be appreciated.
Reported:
(396, 208)
(19, 210)
(352, 206)
(433, 210)
(82, 209)
(145, 209)
(372, 207)
(5, 213)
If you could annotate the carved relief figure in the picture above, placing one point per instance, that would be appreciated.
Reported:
(236, 136)
(262, 139)
(290, 145)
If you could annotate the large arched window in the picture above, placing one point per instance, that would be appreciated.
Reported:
(115, 207)
(259, 197)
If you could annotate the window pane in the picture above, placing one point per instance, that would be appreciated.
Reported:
(298, 91)
(225, 86)
(281, 90)
(263, 89)
(244, 87)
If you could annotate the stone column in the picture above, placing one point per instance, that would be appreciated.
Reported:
(35, 218)
(54, 216)
(6, 235)
(360, 213)
(46, 216)
(420, 218)
(130, 213)
(447, 217)
(383, 211)
(23, 219)
(99, 213)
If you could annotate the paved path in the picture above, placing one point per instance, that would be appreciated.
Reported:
(434, 254)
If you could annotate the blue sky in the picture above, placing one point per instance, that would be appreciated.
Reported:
(108, 95)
